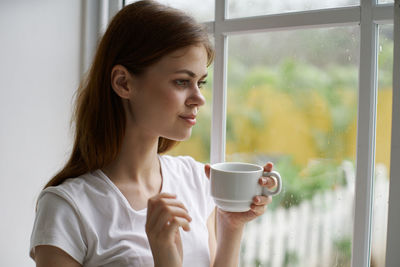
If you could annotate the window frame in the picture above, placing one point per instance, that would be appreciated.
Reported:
(368, 15)
(393, 232)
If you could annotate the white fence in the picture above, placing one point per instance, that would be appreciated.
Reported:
(317, 232)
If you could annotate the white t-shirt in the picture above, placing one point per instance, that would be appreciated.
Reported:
(90, 219)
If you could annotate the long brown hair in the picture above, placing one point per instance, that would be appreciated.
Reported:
(138, 36)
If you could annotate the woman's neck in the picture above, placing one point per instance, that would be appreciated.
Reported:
(137, 163)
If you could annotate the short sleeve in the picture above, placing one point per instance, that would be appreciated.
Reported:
(57, 224)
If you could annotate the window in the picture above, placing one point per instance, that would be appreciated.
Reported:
(238, 8)
(385, 1)
(383, 141)
(306, 84)
(202, 10)
(292, 100)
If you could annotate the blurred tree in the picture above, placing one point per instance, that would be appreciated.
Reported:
(292, 97)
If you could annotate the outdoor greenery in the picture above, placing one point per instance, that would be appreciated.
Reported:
(292, 100)
(343, 252)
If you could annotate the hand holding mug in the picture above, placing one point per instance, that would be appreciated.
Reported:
(235, 184)
(254, 205)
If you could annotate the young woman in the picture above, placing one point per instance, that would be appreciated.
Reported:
(117, 201)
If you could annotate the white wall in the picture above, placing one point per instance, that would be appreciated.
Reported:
(39, 72)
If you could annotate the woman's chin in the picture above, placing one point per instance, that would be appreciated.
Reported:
(181, 137)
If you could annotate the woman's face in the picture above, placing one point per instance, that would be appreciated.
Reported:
(167, 95)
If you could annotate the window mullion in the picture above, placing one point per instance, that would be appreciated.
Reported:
(90, 32)
(113, 7)
(365, 161)
(383, 14)
(293, 20)
(218, 127)
(393, 234)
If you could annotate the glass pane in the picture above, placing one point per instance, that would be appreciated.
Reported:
(383, 139)
(201, 10)
(385, 1)
(292, 100)
(240, 8)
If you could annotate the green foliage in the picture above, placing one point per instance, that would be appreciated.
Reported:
(257, 263)
(301, 184)
(291, 259)
(315, 73)
(259, 76)
(335, 86)
(343, 252)
(385, 63)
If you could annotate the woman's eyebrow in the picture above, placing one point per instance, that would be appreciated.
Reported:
(190, 73)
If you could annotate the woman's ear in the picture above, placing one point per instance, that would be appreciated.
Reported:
(121, 81)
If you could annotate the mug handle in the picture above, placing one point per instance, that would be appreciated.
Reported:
(266, 191)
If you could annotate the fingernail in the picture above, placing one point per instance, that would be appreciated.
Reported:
(256, 199)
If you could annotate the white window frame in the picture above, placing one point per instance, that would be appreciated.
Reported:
(95, 17)
(393, 233)
(368, 15)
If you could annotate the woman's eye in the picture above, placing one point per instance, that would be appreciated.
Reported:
(200, 84)
(182, 83)
(186, 83)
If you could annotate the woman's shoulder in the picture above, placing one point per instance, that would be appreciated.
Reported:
(181, 161)
(184, 166)
(77, 189)
(188, 179)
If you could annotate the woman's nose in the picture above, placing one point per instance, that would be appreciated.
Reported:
(196, 98)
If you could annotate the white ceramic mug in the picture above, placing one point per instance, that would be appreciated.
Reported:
(235, 184)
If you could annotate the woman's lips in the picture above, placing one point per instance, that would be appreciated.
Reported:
(189, 119)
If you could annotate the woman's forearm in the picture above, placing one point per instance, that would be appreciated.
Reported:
(228, 245)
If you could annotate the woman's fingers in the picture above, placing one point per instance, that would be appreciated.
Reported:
(163, 209)
(179, 222)
(259, 204)
(258, 210)
(161, 202)
(207, 170)
(173, 216)
(269, 182)
(262, 200)
(154, 204)
(268, 167)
